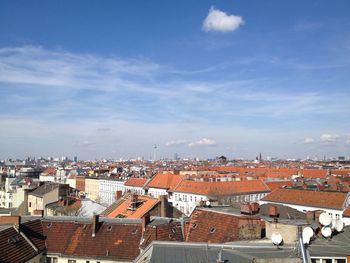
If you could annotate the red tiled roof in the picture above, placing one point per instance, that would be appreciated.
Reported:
(308, 173)
(273, 185)
(321, 199)
(165, 181)
(123, 209)
(112, 240)
(137, 182)
(14, 248)
(49, 171)
(221, 188)
(346, 212)
(165, 232)
(214, 227)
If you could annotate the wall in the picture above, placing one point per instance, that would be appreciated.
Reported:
(92, 188)
(80, 183)
(37, 259)
(289, 232)
(335, 213)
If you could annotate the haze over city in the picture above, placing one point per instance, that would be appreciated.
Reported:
(199, 78)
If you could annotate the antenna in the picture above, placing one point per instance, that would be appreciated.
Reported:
(155, 152)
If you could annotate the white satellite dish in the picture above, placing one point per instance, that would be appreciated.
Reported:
(207, 203)
(325, 219)
(306, 240)
(326, 231)
(339, 225)
(334, 222)
(308, 232)
(276, 238)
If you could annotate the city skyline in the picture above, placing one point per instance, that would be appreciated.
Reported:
(199, 79)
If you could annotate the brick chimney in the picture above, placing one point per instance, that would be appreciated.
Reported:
(118, 194)
(163, 206)
(10, 220)
(145, 221)
(95, 225)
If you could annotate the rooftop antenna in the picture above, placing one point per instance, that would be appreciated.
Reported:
(155, 152)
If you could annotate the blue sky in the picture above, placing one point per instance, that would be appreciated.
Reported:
(199, 78)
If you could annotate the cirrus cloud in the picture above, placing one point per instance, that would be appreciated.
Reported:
(218, 20)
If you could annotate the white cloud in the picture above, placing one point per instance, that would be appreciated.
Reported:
(309, 140)
(218, 20)
(326, 137)
(176, 142)
(203, 142)
(347, 139)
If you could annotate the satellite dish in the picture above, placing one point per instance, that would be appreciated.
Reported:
(276, 238)
(207, 203)
(308, 233)
(334, 222)
(339, 225)
(306, 240)
(325, 219)
(326, 231)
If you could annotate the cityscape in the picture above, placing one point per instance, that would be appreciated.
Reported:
(175, 132)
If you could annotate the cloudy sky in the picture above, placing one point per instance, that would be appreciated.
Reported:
(196, 78)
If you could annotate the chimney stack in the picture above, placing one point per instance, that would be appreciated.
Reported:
(118, 194)
(10, 220)
(163, 205)
(95, 225)
(145, 221)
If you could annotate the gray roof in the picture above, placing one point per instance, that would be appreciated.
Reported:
(180, 252)
(44, 189)
(338, 245)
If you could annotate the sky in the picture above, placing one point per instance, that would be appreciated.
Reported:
(201, 78)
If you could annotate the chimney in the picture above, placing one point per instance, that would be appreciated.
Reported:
(145, 221)
(95, 225)
(118, 194)
(10, 220)
(163, 205)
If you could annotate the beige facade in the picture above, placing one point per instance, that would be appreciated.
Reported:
(289, 232)
(71, 182)
(92, 188)
(39, 201)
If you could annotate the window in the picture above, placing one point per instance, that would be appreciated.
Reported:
(51, 260)
(30, 204)
(72, 261)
